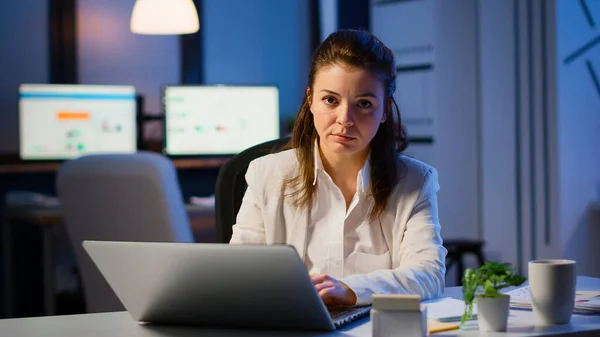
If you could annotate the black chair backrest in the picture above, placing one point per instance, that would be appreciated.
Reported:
(231, 185)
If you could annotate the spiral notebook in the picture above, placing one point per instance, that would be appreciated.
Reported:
(447, 309)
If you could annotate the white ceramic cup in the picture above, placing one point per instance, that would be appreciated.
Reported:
(552, 290)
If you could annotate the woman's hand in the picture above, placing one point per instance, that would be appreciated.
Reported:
(332, 291)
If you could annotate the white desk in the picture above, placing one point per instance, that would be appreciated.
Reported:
(120, 324)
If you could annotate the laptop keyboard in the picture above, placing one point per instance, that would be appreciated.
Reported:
(335, 314)
(343, 316)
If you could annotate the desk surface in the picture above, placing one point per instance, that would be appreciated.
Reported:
(43, 167)
(55, 216)
(119, 324)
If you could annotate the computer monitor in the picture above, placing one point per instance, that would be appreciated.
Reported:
(219, 120)
(59, 121)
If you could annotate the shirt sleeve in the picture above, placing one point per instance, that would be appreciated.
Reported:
(420, 267)
(250, 227)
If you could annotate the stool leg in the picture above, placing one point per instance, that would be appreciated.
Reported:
(7, 269)
(461, 271)
(480, 258)
(449, 264)
(49, 271)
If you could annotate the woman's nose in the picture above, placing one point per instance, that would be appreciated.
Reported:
(345, 115)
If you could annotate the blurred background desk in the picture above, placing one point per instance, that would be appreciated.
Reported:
(50, 220)
(45, 167)
(35, 245)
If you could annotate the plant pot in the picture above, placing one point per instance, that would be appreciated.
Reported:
(492, 313)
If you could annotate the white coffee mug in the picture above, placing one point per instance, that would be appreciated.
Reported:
(552, 290)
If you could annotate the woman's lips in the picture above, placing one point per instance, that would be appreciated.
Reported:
(342, 138)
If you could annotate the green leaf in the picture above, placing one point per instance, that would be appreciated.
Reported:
(467, 314)
(515, 280)
(490, 290)
(502, 286)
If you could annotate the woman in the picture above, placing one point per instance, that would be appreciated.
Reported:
(362, 217)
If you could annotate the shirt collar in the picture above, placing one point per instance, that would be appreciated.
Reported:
(364, 175)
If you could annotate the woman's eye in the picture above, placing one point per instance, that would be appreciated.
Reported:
(364, 104)
(329, 100)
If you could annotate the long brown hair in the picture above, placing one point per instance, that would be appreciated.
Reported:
(359, 49)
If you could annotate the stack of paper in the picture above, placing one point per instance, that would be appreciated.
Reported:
(447, 309)
(585, 301)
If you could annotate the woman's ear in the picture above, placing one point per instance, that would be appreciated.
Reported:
(308, 98)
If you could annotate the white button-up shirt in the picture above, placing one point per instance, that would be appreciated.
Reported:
(343, 242)
(401, 252)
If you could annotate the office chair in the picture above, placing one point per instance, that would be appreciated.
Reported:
(231, 185)
(119, 197)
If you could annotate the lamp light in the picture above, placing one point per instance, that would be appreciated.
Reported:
(163, 17)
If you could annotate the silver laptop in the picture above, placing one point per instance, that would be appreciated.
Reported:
(216, 285)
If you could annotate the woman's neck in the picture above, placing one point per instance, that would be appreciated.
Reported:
(342, 169)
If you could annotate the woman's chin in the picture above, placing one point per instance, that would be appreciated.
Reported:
(344, 148)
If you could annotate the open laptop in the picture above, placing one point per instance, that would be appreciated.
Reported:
(216, 285)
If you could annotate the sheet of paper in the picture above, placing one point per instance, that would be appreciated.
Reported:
(447, 309)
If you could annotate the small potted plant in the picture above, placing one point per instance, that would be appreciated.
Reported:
(483, 287)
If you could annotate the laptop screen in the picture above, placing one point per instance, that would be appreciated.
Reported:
(219, 120)
(58, 122)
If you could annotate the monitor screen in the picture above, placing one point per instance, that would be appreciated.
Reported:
(219, 120)
(58, 121)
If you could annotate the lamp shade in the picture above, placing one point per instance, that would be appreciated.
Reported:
(160, 17)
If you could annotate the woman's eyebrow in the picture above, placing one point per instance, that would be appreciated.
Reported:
(330, 92)
(366, 94)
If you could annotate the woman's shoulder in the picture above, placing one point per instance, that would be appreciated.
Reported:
(414, 166)
(276, 165)
(414, 172)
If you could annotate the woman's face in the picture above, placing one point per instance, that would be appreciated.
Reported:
(347, 104)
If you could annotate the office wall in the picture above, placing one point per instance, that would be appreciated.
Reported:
(578, 94)
(456, 149)
(540, 124)
(259, 42)
(108, 53)
(328, 17)
(434, 43)
(24, 58)
(497, 122)
(517, 121)
(518, 131)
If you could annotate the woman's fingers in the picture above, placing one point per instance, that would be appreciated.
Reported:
(330, 290)
(319, 278)
(330, 296)
(323, 285)
(326, 293)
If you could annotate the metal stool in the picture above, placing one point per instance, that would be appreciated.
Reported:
(457, 249)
